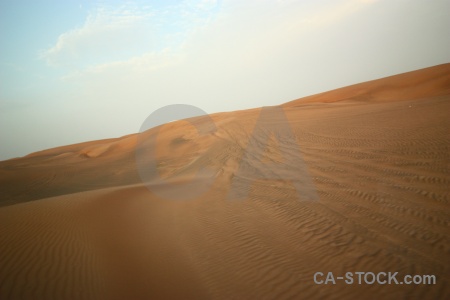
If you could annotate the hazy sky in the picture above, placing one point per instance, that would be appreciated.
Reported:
(72, 71)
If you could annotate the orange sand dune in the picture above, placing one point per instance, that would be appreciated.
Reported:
(349, 180)
(424, 83)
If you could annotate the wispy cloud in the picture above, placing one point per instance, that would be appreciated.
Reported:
(117, 34)
(245, 44)
(106, 31)
(138, 65)
(132, 36)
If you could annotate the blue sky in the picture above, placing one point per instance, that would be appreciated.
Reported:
(72, 71)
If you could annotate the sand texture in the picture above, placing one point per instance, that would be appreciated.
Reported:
(355, 179)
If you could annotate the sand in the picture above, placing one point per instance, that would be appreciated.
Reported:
(356, 180)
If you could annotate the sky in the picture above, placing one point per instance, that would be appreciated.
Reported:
(74, 71)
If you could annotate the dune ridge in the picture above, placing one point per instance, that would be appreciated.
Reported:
(77, 222)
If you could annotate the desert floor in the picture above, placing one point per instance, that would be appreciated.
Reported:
(251, 207)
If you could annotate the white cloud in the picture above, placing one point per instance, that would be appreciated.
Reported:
(106, 31)
(148, 62)
(116, 34)
(247, 52)
(129, 34)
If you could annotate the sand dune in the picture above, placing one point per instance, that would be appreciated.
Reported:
(356, 180)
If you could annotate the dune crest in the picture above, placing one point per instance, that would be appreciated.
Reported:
(428, 82)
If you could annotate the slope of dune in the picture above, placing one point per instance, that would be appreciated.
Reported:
(352, 180)
(424, 83)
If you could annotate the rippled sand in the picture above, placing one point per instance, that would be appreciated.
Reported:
(355, 179)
